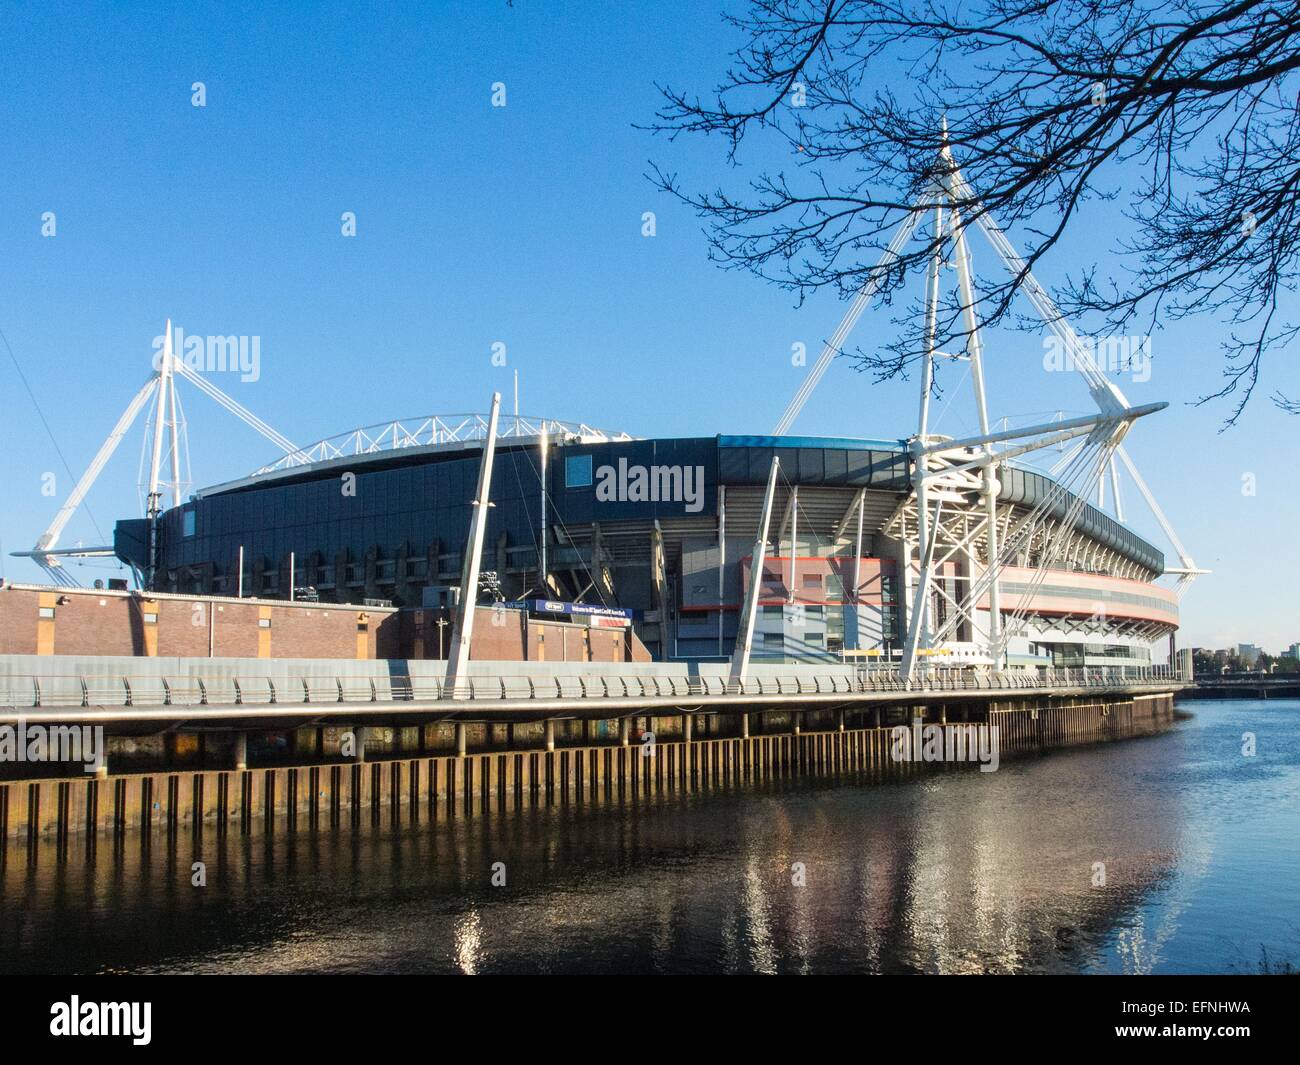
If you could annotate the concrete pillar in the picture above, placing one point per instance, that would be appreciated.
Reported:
(839, 719)
(744, 726)
(624, 731)
(687, 727)
(359, 743)
(796, 723)
(550, 734)
(240, 753)
(943, 715)
(461, 741)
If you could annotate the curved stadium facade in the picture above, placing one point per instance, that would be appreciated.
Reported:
(664, 528)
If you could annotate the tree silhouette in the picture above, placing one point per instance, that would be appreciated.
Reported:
(1184, 111)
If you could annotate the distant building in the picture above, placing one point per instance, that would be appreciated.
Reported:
(1292, 652)
(1249, 654)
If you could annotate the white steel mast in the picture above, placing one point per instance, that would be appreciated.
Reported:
(161, 389)
(951, 472)
(463, 631)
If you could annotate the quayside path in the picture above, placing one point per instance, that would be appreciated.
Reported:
(233, 696)
(251, 746)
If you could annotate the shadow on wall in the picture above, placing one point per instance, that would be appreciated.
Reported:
(135, 619)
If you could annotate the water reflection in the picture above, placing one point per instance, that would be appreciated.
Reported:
(957, 872)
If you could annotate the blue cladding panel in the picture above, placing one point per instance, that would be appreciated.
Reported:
(577, 471)
(849, 467)
(414, 500)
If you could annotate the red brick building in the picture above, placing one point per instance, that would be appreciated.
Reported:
(38, 620)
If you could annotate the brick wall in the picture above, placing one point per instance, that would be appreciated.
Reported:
(95, 622)
(98, 622)
(508, 635)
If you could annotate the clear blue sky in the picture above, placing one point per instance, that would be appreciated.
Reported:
(475, 225)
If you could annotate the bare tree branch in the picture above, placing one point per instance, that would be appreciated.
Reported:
(1184, 110)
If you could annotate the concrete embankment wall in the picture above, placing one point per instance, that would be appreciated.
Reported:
(412, 788)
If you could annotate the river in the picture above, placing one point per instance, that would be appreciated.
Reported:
(1171, 854)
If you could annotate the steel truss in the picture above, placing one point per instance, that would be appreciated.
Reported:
(433, 430)
(951, 513)
(165, 440)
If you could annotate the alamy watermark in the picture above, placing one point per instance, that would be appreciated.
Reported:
(1118, 355)
(651, 484)
(947, 743)
(214, 354)
(53, 743)
(77, 1018)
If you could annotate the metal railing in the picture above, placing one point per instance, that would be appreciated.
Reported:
(75, 691)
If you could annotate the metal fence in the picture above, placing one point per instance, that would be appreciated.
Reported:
(292, 689)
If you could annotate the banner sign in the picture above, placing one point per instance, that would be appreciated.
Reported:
(548, 606)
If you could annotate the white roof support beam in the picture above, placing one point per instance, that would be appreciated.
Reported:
(954, 196)
(1188, 571)
(50, 537)
(161, 389)
(237, 409)
(745, 630)
(1050, 432)
(463, 631)
(854, 507)
(836, 342)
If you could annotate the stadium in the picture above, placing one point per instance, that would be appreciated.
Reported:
(924, 552)
(662, 533)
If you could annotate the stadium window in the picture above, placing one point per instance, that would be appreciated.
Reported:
(577, 471)
(151, 619)
(47, 611)
(772, 611)
(187, 523)
(773, 641)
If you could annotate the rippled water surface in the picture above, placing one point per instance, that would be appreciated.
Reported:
(953, 872)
